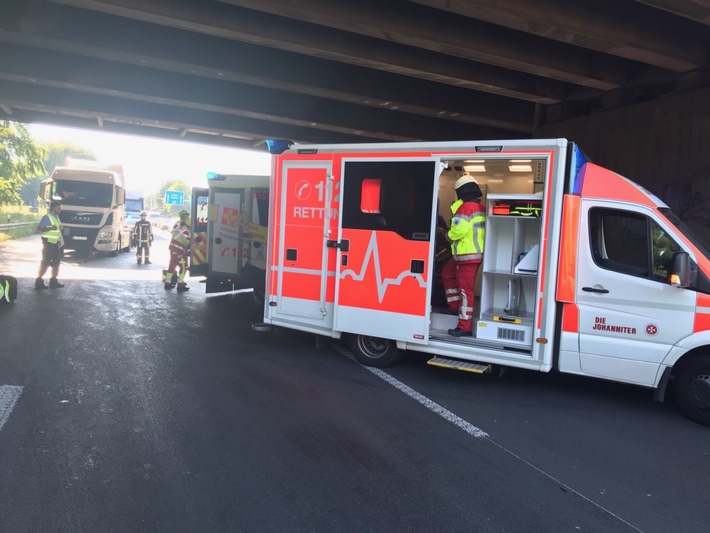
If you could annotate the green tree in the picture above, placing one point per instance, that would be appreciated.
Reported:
(54, 155)
(20, 160)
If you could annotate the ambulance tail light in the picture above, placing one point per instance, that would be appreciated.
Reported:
(679, 276)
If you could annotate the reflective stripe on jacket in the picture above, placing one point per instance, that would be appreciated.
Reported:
(467, 232)
(53, 236)
(180, 242)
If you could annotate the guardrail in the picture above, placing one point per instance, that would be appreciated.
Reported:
(3, 227)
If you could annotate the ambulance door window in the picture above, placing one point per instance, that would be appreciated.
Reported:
(631, 243)
(391, 196)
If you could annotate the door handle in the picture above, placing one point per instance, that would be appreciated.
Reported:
(593, 289)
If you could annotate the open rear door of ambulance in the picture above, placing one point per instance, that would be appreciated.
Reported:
(385, 247)
(198, 246)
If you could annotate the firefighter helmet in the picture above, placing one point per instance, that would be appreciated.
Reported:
(184, 213)
(466, 178)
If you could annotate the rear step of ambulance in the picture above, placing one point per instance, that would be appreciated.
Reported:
(466, 366)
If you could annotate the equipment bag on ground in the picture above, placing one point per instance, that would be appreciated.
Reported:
(8, 289)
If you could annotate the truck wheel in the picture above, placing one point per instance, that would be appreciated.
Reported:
(692, 389)
(373, 351)
(114, 253)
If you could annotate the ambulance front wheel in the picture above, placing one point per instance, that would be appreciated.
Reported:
(373, 351)
(692, 389)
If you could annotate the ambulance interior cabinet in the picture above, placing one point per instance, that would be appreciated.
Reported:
(510, 263)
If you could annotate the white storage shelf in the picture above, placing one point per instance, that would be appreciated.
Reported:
(508, 238)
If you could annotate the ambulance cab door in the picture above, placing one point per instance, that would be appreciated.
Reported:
(386, 247)
(630, 316)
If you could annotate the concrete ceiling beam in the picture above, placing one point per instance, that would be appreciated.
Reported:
(106, 37)
(57, 69)
(479, 50)
(697, 10)
(437, 31)
(601, 25)
(65, 102)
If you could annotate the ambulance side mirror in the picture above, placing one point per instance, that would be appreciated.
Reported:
(679, 275)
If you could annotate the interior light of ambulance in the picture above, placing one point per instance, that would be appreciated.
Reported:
(370, 196)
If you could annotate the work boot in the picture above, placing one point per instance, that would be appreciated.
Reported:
(182, 287)
(139, 261)
(54, 284)
(168, 285)
(458, 332)
(147, 262)
(39, 284)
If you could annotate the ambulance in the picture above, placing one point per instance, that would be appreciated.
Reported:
(229, 232)
(584, 272)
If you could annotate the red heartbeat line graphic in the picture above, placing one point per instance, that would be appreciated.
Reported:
(382, 284)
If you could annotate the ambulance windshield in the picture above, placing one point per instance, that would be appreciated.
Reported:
(698, 242)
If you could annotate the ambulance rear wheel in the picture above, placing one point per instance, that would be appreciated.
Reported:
(373, 351)
(692, 389)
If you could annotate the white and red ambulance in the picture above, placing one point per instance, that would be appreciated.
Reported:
(584, 271)
(229, 232)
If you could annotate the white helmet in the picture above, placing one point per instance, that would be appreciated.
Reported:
(463, 180)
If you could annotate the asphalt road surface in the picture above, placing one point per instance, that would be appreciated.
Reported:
(125, 407)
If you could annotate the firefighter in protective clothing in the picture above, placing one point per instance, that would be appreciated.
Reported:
(179, 253)
(466, 234)
(143, 238)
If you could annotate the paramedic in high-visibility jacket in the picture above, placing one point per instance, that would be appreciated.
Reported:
(466, 233)
(50, 229)
(179, 253)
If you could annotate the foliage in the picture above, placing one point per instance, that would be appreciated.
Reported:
(158, 199)
(20, 160)
(17, 214)
(54, 155)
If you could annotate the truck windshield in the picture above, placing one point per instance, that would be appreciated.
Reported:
(698, 242)
(83, 193)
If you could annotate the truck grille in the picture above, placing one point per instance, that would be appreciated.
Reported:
(80, 218)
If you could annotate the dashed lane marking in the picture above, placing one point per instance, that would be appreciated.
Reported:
(8, 397)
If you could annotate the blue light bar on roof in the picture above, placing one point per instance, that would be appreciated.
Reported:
(212, 176)
(278, 146)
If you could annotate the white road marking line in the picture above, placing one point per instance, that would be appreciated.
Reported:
(69, 290)
(426, 402)
(472, 430)
(8, 396)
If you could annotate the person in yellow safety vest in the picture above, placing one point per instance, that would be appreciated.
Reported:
(179, 253)
(50, 229)
(143, 238)
(466, 234)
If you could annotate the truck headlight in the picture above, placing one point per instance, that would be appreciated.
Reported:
(105, 234)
